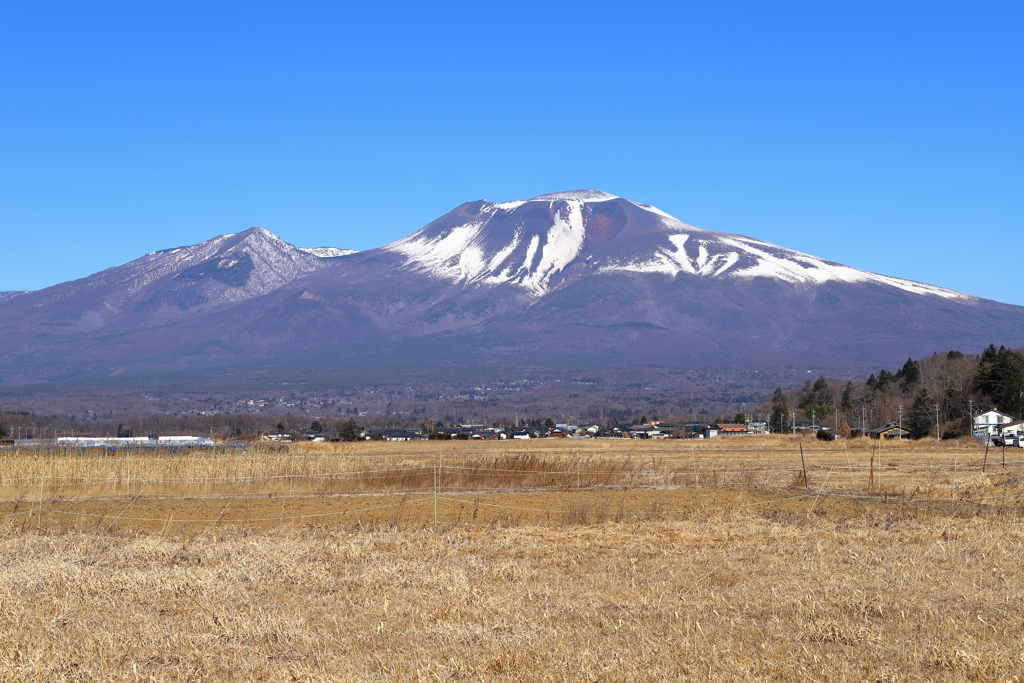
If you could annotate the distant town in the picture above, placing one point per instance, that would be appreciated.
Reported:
(942, 396)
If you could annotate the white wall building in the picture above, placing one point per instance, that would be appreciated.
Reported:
(990, 422)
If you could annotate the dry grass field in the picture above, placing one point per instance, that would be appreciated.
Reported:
(548, 561)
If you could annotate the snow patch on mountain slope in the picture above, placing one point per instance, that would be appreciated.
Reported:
(747, 258)
(460, 256)
(509, 206)
(812, 269)
(654, 209)
(578, 195)
(454, 256)
(465, 254)
(328, 252)
(562, 244)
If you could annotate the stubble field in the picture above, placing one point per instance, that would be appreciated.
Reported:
(554, 560)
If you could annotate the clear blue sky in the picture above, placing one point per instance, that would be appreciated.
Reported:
(887, 136)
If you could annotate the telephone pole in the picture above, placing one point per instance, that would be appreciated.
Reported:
(938, 437)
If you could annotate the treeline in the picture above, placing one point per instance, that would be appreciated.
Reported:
(941, 391)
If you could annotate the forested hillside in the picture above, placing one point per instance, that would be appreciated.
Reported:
(953, 385)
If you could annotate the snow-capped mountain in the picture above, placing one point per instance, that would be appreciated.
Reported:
(170, 284)
(582, 278)
(530, 243)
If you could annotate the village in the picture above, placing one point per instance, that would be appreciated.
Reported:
(989, 428)
(992, 428)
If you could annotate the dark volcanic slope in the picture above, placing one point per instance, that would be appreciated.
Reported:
(581, 274)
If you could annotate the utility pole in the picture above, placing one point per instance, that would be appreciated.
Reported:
(901, 422)
(938, 437)
(863, 427)
(970, 414)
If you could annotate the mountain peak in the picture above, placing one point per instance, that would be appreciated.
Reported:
(539, 243)
(580, 195)
(258, 235)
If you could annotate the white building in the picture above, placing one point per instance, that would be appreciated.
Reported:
(138, 441)
(185, 440)
(990, 422)
(1013, 433)
(101, 441)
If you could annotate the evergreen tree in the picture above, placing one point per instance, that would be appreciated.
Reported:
(911, 371)
(806, 395)
(1001, 378)
(847, 400)
(825, 396)
(779, 421)
(920, 424)
(316, 426)
(347, 431)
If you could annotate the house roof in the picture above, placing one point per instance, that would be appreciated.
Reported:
(887, 428)
(993, 411)
(403, 434)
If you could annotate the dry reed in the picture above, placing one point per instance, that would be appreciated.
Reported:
(721, 598)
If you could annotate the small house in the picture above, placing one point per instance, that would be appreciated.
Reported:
(806, 426)
(1012, 429)
(403, 435)
(989, 422)
(731, 428)
(889, 431)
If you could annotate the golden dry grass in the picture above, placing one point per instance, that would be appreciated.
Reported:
(723, 598)
(731, 565)
(921, 469)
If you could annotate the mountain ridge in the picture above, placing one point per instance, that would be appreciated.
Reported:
(579, 274)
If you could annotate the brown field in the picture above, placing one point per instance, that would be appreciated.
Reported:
(547, 561)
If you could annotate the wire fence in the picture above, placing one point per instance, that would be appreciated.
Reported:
(72, 484)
